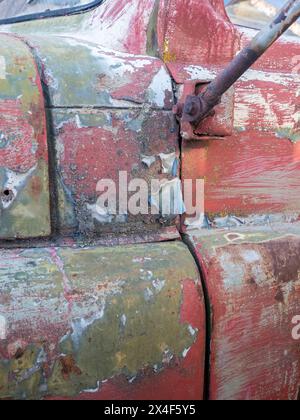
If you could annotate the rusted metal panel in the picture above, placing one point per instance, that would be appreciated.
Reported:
(130, 128)
(196, 31)
(218, 124)
(255, 171)
(81, 73)
(101, 322)
(24, 183)
(127, 26)
(200, 105)
(252, 278)
(111, 111)
(287, 49)
(97, 144)
(250, 253)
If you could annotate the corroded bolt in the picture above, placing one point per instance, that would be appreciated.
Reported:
(190, 108)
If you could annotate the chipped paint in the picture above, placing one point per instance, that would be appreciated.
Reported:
(2, 67)
(123, 138)
(102, 77)
(99, 213)
(3, 328)
(168, 161)
(253, 286)
(14, 183)
(24, 172)
(148, 160)
(160, 87)
(199, 73)
(63, 348)
(196, 223)
(59, 305)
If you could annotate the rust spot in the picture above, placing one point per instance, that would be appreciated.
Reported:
(279, 297)
(252, 281)
(69, 367)
(102, 81)
(19, 353)
(285, 259)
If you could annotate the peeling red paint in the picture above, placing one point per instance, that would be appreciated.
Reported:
(186, 376)
(104, 122)
(249, 173)
(200, 27)
(18, 155)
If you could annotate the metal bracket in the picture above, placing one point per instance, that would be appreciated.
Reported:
(219, 123)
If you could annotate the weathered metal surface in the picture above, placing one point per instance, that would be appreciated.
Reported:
(95, 76)
(24, 184)
(196, 31)
(218, 124)
(119, 117)
(201, 26)
(256, 171)
(148, 27)
(131, 125)
(127, 26)
(118, 141)
(250, 253)
(287, 48)
(252, 278)
(199, 106)
(98, 322)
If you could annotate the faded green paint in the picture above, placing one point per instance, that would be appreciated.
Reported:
(20, 78)
(29, 215)
(83, 118)
(74, 70)
(91, 76)
(23, 151)
(87, 315)
(152, 42)
(50, 26)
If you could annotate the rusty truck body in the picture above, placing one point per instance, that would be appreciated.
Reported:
(99, 305)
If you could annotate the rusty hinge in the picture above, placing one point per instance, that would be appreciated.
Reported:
(220, 121)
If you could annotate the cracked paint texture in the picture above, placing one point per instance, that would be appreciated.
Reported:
(97, 144)
(24, 187)
(253, 283)
(77, 317)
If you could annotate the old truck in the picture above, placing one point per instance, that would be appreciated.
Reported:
(103, 304)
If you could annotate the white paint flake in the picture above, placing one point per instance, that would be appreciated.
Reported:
(3, 328)
(160, 85)
(2, 68)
